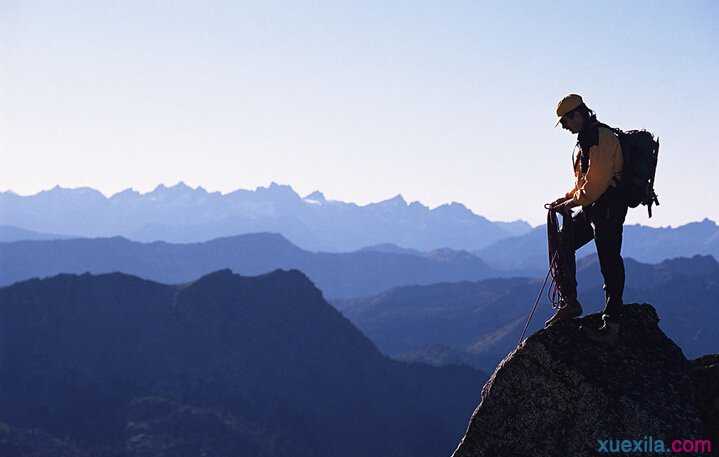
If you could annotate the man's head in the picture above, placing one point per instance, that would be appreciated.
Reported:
(572, 112)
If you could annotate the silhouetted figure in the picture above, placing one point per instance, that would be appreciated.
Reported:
(597, 169)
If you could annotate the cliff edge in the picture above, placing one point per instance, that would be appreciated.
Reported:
(561, 393)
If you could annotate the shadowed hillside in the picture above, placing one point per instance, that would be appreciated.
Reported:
(263, 364)
(336, 274)
(478, 322)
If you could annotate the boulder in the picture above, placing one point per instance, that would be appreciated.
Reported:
(561, 392)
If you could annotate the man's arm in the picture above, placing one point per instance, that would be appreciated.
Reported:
(570, 194)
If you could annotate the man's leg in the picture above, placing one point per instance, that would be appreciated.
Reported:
(573, 237)
(575, 233)
(608, 237)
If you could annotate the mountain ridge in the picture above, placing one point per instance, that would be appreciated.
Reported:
(337, 274)
(117, 362)
(480, 321)
(647, 244)
(180, 213)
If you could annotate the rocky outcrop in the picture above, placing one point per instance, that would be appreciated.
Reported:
(562, 393)
(705, 374)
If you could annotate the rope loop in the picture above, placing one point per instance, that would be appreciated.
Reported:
(558, 268)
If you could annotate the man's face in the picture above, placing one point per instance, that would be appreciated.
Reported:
(572, 121)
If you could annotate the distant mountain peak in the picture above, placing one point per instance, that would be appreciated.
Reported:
(702, 265)
(222, 273)
(181, 186)
(515, 228)
(396, 201)
(399, 199)
(256, 237)
(709, 222)
(125, 194)
(281, 190)
(454, 208)
(293, 273)
(176, 191)
(418, 205)
(315, 197)
(197, 367)
(280, 187)
(391, 248)
(83, 191)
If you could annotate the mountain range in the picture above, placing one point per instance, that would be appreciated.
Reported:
(362, 272)
(180, 213)
(528, 252)
(9, 233)
(479, 322)
(116, 365)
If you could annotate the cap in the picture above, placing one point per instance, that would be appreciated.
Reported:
(567, 104)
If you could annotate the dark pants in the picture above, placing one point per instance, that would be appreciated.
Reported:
(602, 221)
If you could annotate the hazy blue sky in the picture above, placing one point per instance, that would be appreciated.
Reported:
(443, 101)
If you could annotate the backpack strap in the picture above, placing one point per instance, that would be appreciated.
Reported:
(619, 132)
(586, 139)
(619, 184)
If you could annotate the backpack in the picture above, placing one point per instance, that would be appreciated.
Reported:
(640, 151)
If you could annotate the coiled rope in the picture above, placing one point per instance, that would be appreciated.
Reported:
(558, 263)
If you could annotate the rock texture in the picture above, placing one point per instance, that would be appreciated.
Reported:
(158, 427)
(36, 443)
(561, 392)
(705, 374)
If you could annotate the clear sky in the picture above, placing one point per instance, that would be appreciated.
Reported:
(441, 101)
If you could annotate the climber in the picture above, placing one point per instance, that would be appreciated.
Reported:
(597, 171)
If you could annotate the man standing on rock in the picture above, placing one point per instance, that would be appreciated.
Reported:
(597, 169)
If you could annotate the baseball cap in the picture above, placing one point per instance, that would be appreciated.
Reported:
(567, 104)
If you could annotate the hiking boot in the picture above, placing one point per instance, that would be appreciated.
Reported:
(566, 310)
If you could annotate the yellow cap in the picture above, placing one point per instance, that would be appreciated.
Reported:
(567, 104)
